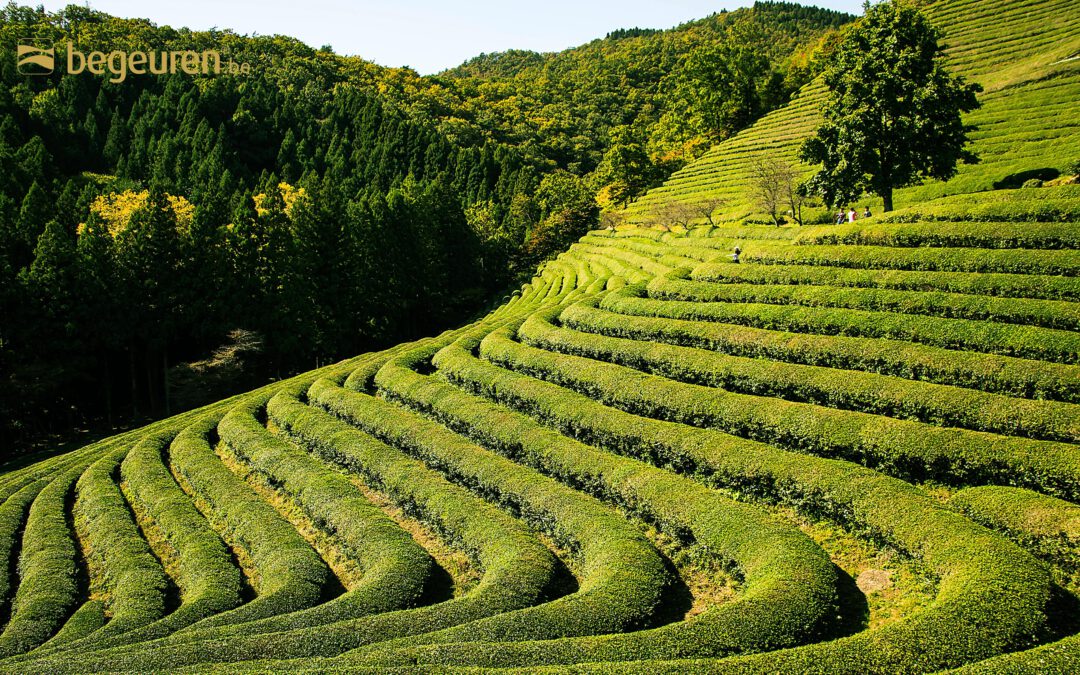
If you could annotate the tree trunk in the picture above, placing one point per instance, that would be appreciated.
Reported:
(108, 392)
(134, 384)
(886, 196)
(151, 399)
(165, 378)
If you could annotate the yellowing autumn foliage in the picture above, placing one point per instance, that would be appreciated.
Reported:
(115, 209)
(289, 195)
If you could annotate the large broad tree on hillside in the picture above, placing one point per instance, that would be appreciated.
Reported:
(724, 87)
(626, 170)
(893, 117)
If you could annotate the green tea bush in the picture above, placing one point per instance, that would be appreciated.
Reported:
(1048, 527)
(977, 570)
(288, 574)
(632, 317)
(48, 583)
(898, 447)
(395, 566)
(604, 542)
(1043, 313)
(209, 581)
(774, 563)
(135, 580)
(942, 405)
(1036, 261)
(13, 512)
(1027, 286)
(896, 232)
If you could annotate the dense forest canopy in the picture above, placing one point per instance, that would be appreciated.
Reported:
(636, 86)
(321, 205)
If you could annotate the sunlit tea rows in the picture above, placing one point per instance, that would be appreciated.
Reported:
(856, 450)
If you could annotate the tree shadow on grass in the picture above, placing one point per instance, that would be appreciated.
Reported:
(854, 610)
(1017, 180)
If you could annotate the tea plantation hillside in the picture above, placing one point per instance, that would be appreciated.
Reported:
(855, 451)
(1026, 55)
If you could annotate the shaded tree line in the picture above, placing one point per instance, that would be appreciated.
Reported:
(143, 223)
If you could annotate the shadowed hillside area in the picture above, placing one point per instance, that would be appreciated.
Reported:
(848, 448)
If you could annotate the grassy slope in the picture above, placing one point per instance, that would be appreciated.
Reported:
(1019, 51)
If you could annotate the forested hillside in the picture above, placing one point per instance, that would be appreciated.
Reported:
(317, 207)
(640, 103)
(142, 221)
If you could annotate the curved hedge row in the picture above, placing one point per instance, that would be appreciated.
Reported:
(395, 567)
(614, 594)
(1025, 311)
(898, 447)
(13, 514)
(287, 573)
(1064, 262)
(1056, 658)
(621, 247)
(778, 565)
(517, 567)
(619, 268)
(645, 263)
(1031, 286)
(1046, 205)
(1048, 527)
(86, 620)
(893, 230)
(629, 316)
(991, 593)
(134, 578)
(957, 334)
(937, 404)
(12, 482)
(48, 569)
(209, 581)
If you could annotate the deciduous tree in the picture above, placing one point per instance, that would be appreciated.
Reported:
(893, 116)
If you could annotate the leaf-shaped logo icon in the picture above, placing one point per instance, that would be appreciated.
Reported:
(35, 57)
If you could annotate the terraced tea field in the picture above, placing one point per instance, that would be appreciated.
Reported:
(856, 451)
(1024, 54)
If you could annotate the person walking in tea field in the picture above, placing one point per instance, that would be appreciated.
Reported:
(735, 255)
(867, 214)
(852, 215)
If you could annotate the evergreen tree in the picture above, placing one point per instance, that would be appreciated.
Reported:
(37, 209)
(568, 212)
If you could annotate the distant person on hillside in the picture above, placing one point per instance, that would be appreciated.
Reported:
(867, 214)
(735, 255)
(852, 215)
(840, 217)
